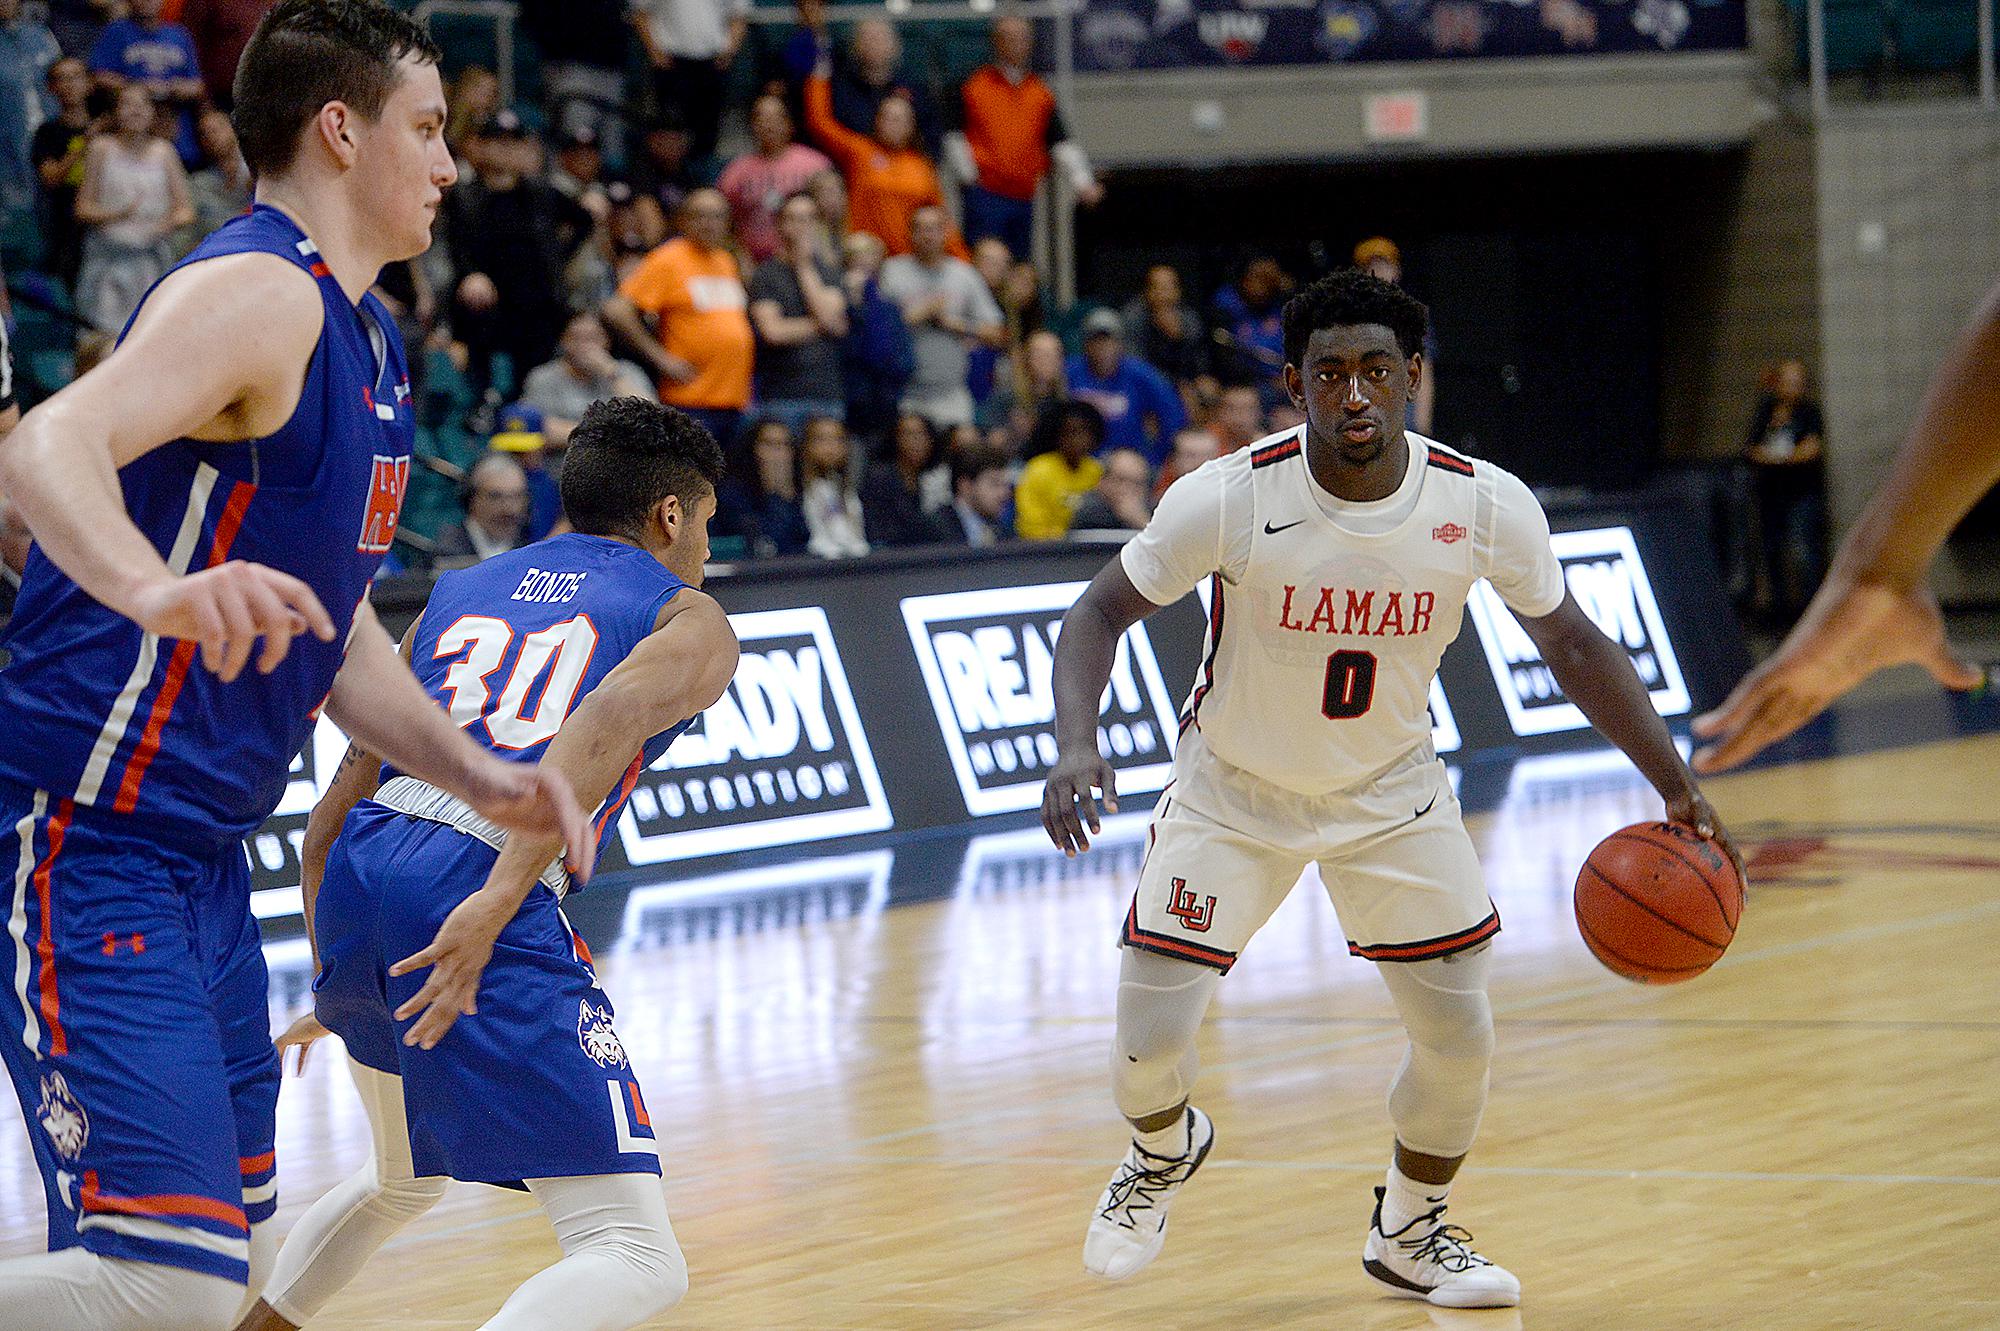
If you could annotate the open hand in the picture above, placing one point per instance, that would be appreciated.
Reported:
(1067, 806)
(1851, 630)
(456, 958)
(301, 1035)
(226, 609)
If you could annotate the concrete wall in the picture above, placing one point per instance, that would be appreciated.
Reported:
(1744, 292)
(1217, 117)
(1909, 222)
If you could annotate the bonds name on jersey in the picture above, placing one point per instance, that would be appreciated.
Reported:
(510, 646)
(100, 711)
(1327, 619)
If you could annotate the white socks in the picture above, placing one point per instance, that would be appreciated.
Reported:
(1404, 1199)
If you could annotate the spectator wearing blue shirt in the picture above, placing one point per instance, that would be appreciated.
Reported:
(160, 57)
(877, 358)
(1141, 408)
(1249, 323)
(27, 49)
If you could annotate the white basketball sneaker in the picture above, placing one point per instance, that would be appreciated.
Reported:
(1430, 1260)
(1130, 1225)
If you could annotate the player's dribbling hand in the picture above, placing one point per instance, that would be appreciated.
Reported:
(456, 957)
(301, 1035)
(1067, 806)
(226, 609)
(538, 801)
(1693, 810)
(1851, 630)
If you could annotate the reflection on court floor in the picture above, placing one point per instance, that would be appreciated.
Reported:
(879, 1082)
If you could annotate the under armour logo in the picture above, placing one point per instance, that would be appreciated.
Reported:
(137, 942)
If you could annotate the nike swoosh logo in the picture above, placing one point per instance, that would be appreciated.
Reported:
(1269, 530)
(1427, 808)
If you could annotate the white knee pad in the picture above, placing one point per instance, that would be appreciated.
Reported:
(1161, 1002)
(404, 1199)
(1439, 1092)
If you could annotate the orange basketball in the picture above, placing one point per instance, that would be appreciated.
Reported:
(1658, 903)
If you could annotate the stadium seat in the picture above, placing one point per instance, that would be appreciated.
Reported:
(1857, 35)
(1936, 34)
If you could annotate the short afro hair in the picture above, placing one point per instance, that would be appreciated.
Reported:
(1354, 296)
(306, 53)
(628, 454)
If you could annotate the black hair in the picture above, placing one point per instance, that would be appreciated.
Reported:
(890, 448)
(1354, 296)
(742, 455)
(625, 456)
(973, 463)
(1048, 427)
(306, 53)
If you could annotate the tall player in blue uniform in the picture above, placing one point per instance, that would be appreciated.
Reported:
(222, 487)
(591, 651)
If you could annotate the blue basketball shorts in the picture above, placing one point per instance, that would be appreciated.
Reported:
(534, 1085)
(136, 1031)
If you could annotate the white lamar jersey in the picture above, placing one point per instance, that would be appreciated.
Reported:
(1328, 618)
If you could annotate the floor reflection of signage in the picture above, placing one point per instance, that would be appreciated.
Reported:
(822, 889)
(1605, 576)
(780, 758)
(987, 658)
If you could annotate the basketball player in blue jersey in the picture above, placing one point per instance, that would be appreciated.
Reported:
(573, 651)
(220, 490)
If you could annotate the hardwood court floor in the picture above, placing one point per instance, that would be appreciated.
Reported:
(897, 1118)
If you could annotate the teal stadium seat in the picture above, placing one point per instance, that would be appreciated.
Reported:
(1936, 34)
(1857, 36)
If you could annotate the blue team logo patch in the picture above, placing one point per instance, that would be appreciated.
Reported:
(594, 1033)
(62, 1117)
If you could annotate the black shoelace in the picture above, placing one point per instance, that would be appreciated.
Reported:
(1135, 1187)
(1446, 1246)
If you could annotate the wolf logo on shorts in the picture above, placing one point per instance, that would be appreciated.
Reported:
(63, 1118)
(594, 1033)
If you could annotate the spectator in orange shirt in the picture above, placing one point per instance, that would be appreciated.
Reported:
(693, 289)
(888, 176)
(1013, 132)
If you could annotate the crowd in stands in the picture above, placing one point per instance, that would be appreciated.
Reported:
(836, 278)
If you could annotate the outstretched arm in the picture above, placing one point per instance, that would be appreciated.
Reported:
(681, 668)
(1085, 652)
(1596, 674)
(1873, 611)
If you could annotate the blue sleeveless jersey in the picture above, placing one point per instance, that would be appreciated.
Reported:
(510, 646)
(95, 710)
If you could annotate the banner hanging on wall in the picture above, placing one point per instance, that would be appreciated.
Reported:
(1117, 35)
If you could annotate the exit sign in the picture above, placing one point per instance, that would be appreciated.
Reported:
(1396, 117)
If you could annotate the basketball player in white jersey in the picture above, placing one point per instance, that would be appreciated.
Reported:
(1339, 555)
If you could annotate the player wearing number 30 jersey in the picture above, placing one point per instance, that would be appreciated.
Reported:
(1338, 557)
(591, 651)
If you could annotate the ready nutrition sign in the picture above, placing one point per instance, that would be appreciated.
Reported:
(1605, 576)
(987, 658)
